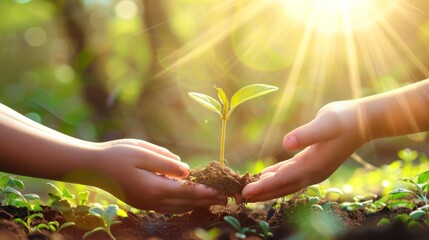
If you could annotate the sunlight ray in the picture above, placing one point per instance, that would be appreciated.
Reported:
(403, 46)
(289, 89)
(351, 56)
(207, 39)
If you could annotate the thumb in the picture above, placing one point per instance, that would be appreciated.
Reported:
(322, 128)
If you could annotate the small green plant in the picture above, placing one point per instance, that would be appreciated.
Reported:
(211, 234)
(241, 231)
(225, 107)
(54, 226)
(418, 188)
(265, 228)
(27, 223)
(10, 188)
(107, 214)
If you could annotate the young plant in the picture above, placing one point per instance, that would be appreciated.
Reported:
(107, 214)
(27, 224)
(211, 234)
(265, 228)
(54, 226)
(224, 107)
(418, 188)
(241, 231)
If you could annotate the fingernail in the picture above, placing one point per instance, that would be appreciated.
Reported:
(184, 169)
(291, 142)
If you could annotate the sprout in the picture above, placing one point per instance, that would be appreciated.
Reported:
(224, 108)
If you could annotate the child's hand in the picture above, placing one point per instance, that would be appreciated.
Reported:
(139, 173)
(328, 140)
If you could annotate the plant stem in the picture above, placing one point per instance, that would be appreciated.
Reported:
(222, 143)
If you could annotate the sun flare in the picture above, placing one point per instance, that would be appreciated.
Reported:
(334, 16)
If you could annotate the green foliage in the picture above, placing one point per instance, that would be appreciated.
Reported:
(27, 223)
(265, 230)
(107, 214)
(240, 231)
(224, 108)
(417, 189)
(211, 234)
(10, 189)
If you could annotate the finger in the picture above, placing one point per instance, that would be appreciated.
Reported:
(188, 190)
(173, 205)
(155, 162)
(272, 168)
(188, 203)
(322, 128)
(157, 149)
(294, 172)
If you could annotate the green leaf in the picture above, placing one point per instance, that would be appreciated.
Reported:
(402, 218)
(383, 221)
(314, 200)
(313, 190)
(3, 181)
(250, 92)
(19, 220)
(66, 193)
(264, 226)
(55, 187)
(83, 197)
(93, 231)
(35, 215)
(423, 177)
(417, 214)
(334, 190)
(42, 225)
(96, 211)
(400, 192)
(18, 183)
(31, 196)
(10, 190)
(109, 213)
(56, 224)
(223, 99)
(66, 224)
(207, 101)
(233, 222)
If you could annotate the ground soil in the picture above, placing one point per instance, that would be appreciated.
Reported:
(292, 219)
(224, 179)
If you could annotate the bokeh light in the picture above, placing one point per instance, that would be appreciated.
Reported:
(126, 9)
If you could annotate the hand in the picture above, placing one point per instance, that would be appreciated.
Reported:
(328, 140)
(140, 174)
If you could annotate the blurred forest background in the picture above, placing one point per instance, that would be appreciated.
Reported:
(106, 69)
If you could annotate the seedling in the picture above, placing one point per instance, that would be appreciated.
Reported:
(265, 228)
(107, 215)
(211, 234)
(54, 226)
(224, 107)
(418, 188)
(27, 224)
(241, 231)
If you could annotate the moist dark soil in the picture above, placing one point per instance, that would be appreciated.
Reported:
(223, 179)
(286, 219)
(292, 219)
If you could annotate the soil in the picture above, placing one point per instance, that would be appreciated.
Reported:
(292, 219)
(224, 179)
(283, 219)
